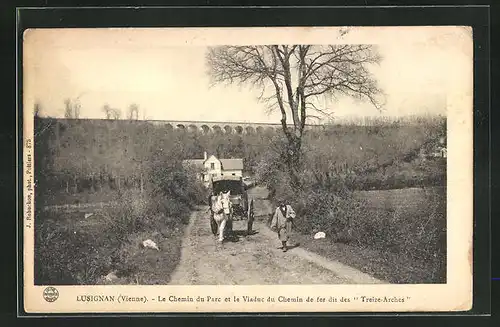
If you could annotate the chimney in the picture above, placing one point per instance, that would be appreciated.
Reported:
(205, 155)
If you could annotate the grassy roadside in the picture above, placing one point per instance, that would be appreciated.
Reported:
(145, 266)
(73, 248)
(384, 265)
(395, 235)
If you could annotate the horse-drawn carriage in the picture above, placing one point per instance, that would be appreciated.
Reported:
(228, 202)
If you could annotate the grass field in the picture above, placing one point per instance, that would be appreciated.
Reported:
(76, 250)
(411, 200)
(416, 254)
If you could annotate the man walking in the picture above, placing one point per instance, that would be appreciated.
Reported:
(250, 217)
(282, 222)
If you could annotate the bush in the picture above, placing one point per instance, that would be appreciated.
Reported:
(68, 255)
(169, 179)
(345, 218)
(328, 202)
(333, 213)
(129, 215)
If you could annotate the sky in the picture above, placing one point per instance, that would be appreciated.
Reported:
(164, 72)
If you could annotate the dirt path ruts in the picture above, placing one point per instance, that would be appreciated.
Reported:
(253, 260)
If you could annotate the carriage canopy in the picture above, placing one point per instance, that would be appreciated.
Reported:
(227, 183)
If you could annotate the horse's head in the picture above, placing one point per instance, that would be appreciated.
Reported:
(226, 195)
(217, 203)
(226, 202)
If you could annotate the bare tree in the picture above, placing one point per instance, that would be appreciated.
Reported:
(116, 113)
(107, 111)
(133, 112)
(76, 109)
(72, 108)
(293, 77)
(37, 109)
(68, 109)
(111, 113)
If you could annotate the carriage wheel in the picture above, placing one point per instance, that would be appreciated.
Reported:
(213, 225)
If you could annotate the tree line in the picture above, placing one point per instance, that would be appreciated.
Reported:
(92, 154)
(82, 154)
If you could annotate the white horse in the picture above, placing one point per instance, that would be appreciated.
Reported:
(222, 210)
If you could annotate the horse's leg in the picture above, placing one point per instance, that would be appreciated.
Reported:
(221, 229)
(218, 227)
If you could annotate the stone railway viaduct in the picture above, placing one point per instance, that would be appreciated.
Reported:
(224, 127)
(205, 126)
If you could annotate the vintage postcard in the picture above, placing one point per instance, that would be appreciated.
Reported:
(297, 169)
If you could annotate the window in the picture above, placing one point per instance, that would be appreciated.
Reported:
(212, 165)
(233, 174)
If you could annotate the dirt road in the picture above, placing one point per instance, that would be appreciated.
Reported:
(253, 259)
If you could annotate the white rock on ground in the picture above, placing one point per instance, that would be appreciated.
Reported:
(150, 244)
(319, 235)
(111, 276)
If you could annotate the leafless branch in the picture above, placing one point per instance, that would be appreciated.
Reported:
(296, 75)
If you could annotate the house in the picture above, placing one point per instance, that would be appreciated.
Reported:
(433, 151)
(211, 166)
(440, 152)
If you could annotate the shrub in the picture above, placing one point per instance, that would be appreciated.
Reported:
(327, 202)
(129, 215)
(334, 213)
(68, 255)
(347, 219)
(168, 178)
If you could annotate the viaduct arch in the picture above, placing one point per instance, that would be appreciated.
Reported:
(206, 127)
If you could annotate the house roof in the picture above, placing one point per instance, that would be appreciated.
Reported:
(195, 162)
(232, 164)
(227, 164)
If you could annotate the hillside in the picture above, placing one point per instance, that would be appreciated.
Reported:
(87, 155)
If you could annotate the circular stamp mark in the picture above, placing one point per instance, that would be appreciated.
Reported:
(50, 294)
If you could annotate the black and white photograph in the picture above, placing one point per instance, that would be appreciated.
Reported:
(247, 157)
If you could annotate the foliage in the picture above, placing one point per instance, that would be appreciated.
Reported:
(79, 157)
(341, 161)
(69, 250)
(92, 155)
(172, 188)
(348, 218)
(155, 194)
